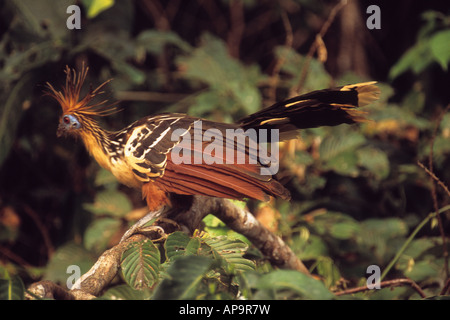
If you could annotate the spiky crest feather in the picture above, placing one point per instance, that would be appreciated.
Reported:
(69, 97)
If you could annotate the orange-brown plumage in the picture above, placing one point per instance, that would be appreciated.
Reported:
(140, 155)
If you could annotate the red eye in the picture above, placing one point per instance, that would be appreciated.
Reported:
(66, 120)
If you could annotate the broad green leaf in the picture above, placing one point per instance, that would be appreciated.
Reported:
(230, 253)
(426, 269)
(338, 225)
(134, 74)
(99, 233)
(211, 64)
(119, 49)
(445, 123)
(378, 235)
(184, 276)
(11, 287)
(205, 101)
(110, 202)
(33, 13)
(418, 246)
(66, 255)
(439, 45)
(375, 160)
(411, 261)
(297, 282)
(344, 163)
(313, 248)
(179, 244)
(293, 63)
(344, 230)
(140, 264)
(154, 41)
(106, 179)
(415, 59)
(402, 115)
(414, 101)
(327, 269)
(125, 292)
(337, 144)
(387, 228)
(215, 227)
(337, 151)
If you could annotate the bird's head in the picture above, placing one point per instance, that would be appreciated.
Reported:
(68, 124)
(78, 113)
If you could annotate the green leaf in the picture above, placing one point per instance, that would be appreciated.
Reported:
(344, 163)
(293, 62)
(415, 59)
(336, 224)
(337, 152)
(185, 274)
(134, 74)
(215, 227)
(387, 228)
(227, 77)
(11, 287)
(179, 244)
(418, 246)
(336, 144)
(154, 41)
(110, 202)
(230, 253)
(66, 255)
(32, 13)
(297, 282)
(417, 262)
(375, 160)
(140, 264)
(125, 292)
(106, 179)
(423, 270)
(377, 235)
(403, 116)
(439, 45)
(95, 7)
(313, 248)
(99, 233)
(344, 230)
(327, 269)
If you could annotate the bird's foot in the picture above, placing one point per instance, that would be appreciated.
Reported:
(146, 225)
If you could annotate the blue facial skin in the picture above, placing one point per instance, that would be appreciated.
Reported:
(67, 123)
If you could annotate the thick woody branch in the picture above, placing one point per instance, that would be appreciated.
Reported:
(92, 283)
(243, 222)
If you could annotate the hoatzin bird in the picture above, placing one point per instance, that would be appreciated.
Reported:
(140, 155)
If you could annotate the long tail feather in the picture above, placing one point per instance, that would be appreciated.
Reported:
(329, 107)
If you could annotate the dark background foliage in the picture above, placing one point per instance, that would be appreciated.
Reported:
(358, 191)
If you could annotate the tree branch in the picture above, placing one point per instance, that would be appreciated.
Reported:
(189, 219)
(272, 246)
(385, 284)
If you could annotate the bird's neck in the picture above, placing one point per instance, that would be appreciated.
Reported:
(107, 149)
(97, 142)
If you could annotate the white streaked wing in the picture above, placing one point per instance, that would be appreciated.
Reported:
(149, 143)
